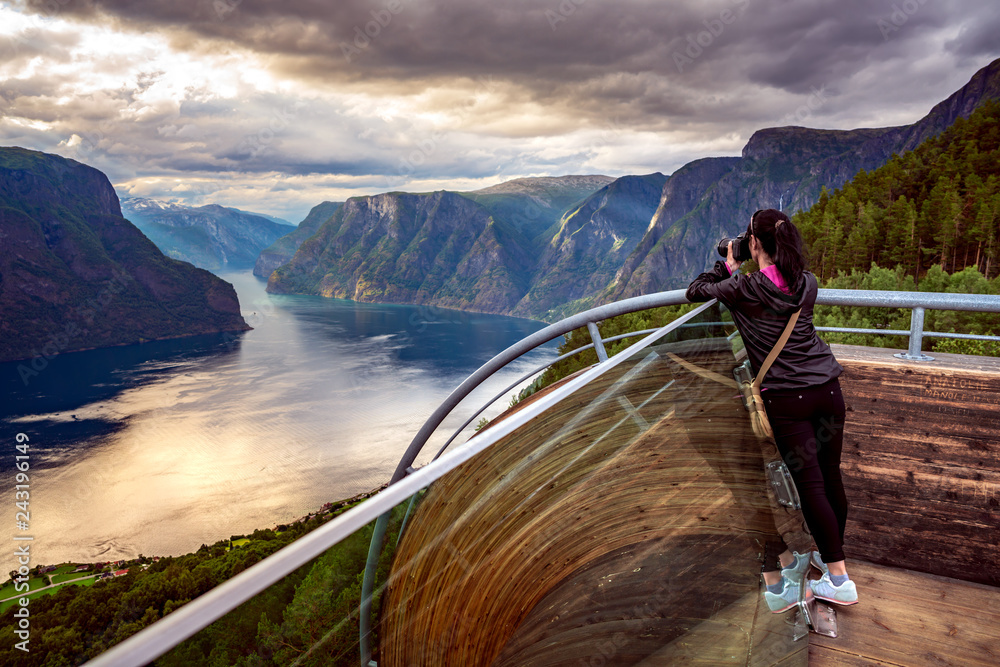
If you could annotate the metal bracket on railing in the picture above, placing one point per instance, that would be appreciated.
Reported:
(784, 488)
(743, 373)
(916, 338)
(595, 335)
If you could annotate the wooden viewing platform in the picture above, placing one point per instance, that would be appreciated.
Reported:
(625, 527)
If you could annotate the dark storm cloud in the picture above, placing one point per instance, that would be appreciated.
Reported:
(397, 92)
(978, 37)
(636, 60)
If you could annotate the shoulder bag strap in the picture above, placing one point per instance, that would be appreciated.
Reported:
(766, 366)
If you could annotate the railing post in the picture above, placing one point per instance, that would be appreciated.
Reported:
(916, 337)
(595, 335)
(368, 586)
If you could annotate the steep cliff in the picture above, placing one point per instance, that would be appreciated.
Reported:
(282, 250)
(534, 206)
(74, 274)
(440, 248)
(593, 240)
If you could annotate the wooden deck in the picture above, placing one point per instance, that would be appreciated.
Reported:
(605, 533)
(912, 619)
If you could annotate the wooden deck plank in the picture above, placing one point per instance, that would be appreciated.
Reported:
(913, 619)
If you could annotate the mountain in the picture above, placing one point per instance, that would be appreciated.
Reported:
(534, 206)
(75, 274)
(593, 239)
(787, 168)
(938, 204)
(559, 245)
(439, 248)
(210, 237)
(477, 250)
(282, 250)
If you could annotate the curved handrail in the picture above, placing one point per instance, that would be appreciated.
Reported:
(535, 371)
(564, 326)
(825, 297)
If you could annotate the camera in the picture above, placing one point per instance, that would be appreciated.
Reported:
(741, 247)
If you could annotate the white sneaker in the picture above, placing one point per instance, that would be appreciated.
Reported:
(785, 600)
(823, 588)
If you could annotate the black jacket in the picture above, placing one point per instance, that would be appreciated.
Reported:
(761, 312)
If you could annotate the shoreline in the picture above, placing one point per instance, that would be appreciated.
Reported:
(329, 510)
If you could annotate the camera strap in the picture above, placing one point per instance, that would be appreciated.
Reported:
(766, 366)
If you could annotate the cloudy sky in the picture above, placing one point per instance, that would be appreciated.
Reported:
(275, 106)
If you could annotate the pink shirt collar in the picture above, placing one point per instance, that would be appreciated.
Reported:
(774, 274)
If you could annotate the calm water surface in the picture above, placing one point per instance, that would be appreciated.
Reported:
(161, 447)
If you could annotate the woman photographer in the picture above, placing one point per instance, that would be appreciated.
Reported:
(801, 394)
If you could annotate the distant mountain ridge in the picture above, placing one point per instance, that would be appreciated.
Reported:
(211, 237)
(594, 238)
(477, 250)
(558, 245)
(75, 274)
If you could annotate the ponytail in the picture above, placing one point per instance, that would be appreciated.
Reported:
(780, 239)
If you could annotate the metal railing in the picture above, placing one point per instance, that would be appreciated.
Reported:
(160, 637)
(918, 303)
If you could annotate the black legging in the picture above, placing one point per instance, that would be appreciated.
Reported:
(809, 431)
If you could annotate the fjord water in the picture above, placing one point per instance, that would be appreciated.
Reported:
(161, 447)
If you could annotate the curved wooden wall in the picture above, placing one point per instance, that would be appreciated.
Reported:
(606, 538)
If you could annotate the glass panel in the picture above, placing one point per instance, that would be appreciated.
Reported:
(625, 524)
(310, 617)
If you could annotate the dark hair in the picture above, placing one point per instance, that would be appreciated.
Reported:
(780, 239)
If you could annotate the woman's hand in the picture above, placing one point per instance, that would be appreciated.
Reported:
(731, 262)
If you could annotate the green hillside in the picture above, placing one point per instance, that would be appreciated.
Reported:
(936, 205)
(931, 214)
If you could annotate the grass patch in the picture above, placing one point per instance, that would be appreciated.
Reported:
(4, 606)
(9, 590)
(69, 576)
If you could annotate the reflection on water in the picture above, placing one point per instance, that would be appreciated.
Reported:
(161, 447)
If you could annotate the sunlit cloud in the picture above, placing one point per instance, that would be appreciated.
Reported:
(279, 106)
